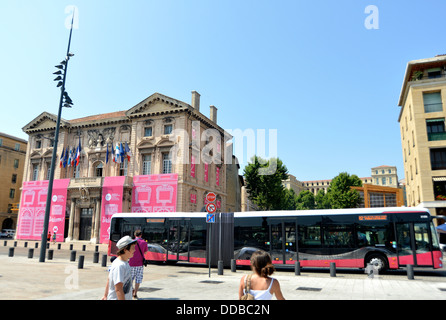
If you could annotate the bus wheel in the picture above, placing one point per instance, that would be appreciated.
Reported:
(378, 261)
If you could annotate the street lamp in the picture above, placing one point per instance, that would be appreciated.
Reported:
(64, 101)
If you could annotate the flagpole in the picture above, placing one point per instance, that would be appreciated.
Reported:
(53, 158)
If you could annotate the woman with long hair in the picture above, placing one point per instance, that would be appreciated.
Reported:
(261, 285)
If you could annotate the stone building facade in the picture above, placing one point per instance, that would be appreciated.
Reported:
(167, 143)
(12, 162)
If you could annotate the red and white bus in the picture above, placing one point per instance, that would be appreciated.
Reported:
(351, 238)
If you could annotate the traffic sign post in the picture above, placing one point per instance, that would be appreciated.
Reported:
(210, 218)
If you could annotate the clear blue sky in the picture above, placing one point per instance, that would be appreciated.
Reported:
(310, 69)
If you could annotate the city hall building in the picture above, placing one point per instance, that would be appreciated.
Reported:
(161, 155)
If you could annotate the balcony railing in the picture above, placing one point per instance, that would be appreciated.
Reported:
(436, 136)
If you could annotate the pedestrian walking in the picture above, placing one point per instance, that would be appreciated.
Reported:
(137, 262)
(119, 282)
(260, 285)
(54, 237)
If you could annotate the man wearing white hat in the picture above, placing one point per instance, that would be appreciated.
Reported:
(119, 281)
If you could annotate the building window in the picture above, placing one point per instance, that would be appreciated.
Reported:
(167, 163)
(35, 175)
(14, 178)
(434, 73)
(38, 144)
(438, 158)
(147, 164)
(99, 170)
(123, 167)
(432, 102)
(168, 129)
(48, 171)
(12, 193)
(17, 147)
(435, 129)
(384, 181)
(147, 131)
(76, 172)
(16, 163)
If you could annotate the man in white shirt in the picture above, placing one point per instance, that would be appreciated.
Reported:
(119, 281)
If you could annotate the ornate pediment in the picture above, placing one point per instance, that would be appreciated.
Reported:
(157, 104)
(45, 121)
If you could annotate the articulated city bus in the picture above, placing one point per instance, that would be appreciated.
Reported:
(351, 238)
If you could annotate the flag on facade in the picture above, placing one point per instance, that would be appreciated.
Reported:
(113, 153)
(121, 152)
(127, 151)
(106, 156)
(65, 158)
(118, 154)
(73, 157)
(78, 152)
(61, 158)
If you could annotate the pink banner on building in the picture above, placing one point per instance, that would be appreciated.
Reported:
(112, 191)
(32, 209)
(58, 208)
(155, 193)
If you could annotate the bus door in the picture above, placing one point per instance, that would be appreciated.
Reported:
(413, 244)
(283, 241)
(177, 240)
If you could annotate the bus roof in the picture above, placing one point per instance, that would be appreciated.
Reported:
(384, 210)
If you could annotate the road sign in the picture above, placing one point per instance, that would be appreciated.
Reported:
(211, 208)
(210, 197)
(210, 218)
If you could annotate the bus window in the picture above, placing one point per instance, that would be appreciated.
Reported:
(250, 235)
(309, 236)
(373, 235)
(421, 237)
(338, 236)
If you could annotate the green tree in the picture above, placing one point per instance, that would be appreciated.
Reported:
(340, 195)
(305, 200)
(264, 182)
(321, 200)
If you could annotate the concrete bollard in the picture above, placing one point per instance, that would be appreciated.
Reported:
(233, 265)
(220, 267)
(50, 254)
(297, 268)
(104, 260)
(26, 244)
(11, 252)
(95, 257)
(73, 256)
(36, 245)
(5, 243)
(84, 247)
(410, 273)
(80, 263)
(332, 269)
(30, 253)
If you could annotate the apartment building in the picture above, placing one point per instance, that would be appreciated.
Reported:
(12, 162)
(423, 135)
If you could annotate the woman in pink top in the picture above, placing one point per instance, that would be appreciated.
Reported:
(263, 287)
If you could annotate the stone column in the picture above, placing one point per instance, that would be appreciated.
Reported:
(76, 225)
(71, 220)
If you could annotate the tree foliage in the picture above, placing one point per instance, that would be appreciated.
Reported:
(264, 183)
(339, 195)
